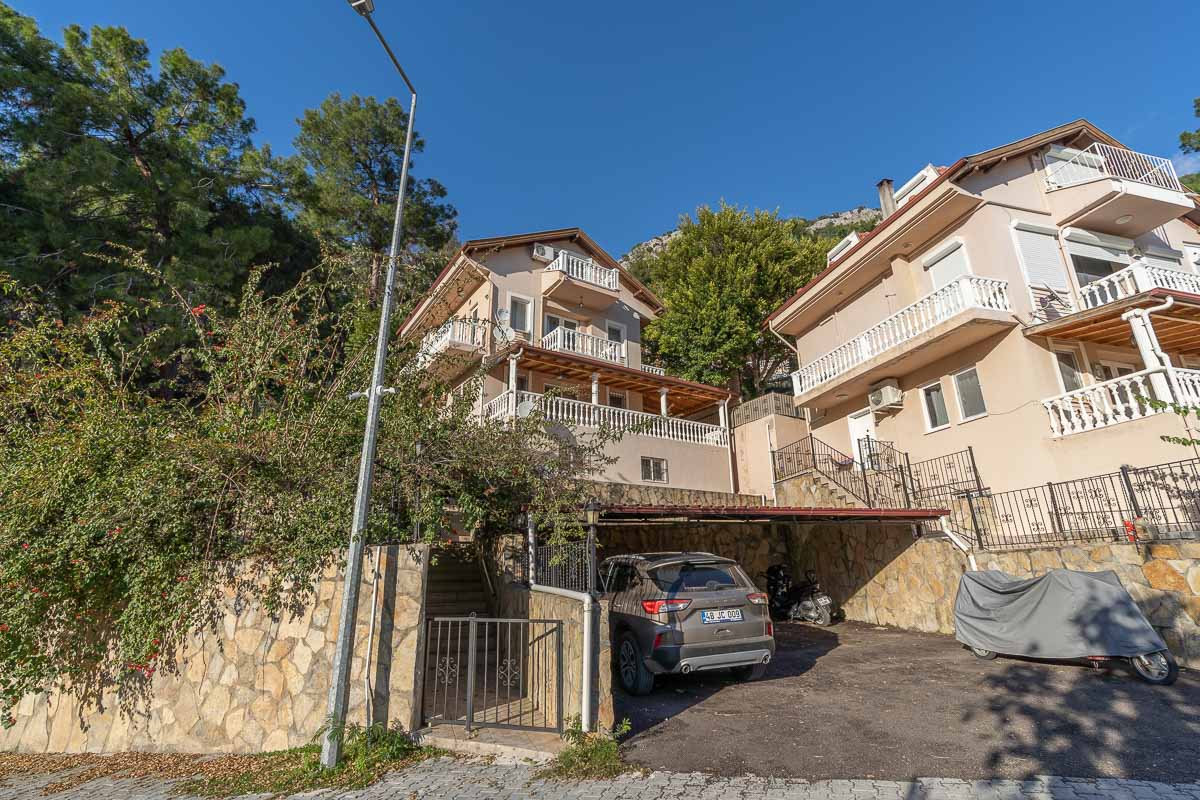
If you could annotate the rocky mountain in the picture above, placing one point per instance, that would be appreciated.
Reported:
(853, 217)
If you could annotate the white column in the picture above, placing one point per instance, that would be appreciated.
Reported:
(595, 388)
(1147, 345)
(512, 373)
(724, 413)
(662, 400)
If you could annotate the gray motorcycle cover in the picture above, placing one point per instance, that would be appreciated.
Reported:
(1063, 614)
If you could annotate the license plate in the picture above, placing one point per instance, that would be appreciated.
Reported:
(825, 601)
(724, 615)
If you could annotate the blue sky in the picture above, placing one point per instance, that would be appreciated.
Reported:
(619, 116)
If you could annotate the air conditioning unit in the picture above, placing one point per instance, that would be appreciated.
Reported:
(543, 252)
(884, 395)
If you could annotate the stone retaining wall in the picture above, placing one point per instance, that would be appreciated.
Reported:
(755, 546)
(633, 494)
(256, 683)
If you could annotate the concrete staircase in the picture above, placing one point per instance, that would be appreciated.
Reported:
(456, 587)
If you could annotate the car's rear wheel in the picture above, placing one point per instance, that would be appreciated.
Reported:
(750, 672)
(631, 669)
(979, 652)
(1159, 668)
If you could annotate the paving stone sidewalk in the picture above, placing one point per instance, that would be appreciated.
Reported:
(450, 778)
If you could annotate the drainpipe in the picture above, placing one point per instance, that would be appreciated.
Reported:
(589, 624)
(1147, 344)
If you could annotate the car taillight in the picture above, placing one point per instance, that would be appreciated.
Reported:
(758, 598)
(770, 628)
(657, 641)
(663, 606)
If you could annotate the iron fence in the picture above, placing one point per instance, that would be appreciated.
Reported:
(567, 566)
(1167, 498)
(937, 481)
(793, 459)
(494, 673)
(882, 487)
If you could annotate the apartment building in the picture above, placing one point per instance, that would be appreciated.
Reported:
(558, 312)
(1023, 301)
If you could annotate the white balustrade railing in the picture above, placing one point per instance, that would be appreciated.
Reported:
(586, 270)
(1103, 160)
(653, 370)
(1121, 399)
(465, 333)
(1140, 277)
(967, 291)
(588, 415)
(571, 341)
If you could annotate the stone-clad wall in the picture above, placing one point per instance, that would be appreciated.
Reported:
(633, 494)
(256, 684)
(756, 546)
(547, 605)
(878, 574)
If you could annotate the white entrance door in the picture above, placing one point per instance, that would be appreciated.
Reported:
(861, 424)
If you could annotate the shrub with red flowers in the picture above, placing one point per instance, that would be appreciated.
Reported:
(137, 488)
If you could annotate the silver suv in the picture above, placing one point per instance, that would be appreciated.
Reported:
(682, 613)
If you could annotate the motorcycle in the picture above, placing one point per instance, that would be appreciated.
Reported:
(804, 601)
(1062, 615)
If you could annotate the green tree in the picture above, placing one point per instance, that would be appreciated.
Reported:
(101, 148)
(125, 516)
(723, 273)
(1189, 142)
(347, 175)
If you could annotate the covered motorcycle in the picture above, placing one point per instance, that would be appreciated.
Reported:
(1063, 614)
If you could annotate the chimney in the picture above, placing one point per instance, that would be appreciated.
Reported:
(887, 200)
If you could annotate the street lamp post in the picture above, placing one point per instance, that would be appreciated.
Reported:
(591, 515)
(339, 688)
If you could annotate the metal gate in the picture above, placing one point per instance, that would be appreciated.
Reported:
(482, 672)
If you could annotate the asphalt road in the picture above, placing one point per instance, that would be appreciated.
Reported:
(857, 701)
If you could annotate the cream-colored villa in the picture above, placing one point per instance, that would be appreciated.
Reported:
(1021, 301)
(571, 319)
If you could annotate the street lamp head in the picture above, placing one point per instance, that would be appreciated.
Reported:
(591, 512)
(364, 7)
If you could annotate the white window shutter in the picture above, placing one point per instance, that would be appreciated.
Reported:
(1043, 262)
(943, 271)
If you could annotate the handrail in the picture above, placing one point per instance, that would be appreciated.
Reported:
(567, 340)
(1103, 160)
(588, 415)
(470, 333)
(1116, 400)
(586, 270)
(1135, 279)
(968, 291)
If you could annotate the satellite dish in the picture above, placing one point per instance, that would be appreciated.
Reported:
(561, 432)
(525, 408)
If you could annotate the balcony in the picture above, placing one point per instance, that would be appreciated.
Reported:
(565, 340)
(449, 348)
(579, 414)
(573, 280)
(1121, 400)
(1135, 279)
(964, 312)
(1114, 190)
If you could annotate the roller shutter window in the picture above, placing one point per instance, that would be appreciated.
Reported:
(1043, 261)
(1166, 262)
(947, 267)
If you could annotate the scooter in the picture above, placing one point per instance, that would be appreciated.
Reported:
(798, 601)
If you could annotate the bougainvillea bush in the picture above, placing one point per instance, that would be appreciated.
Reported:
(139, 483)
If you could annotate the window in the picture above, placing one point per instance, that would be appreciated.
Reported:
(970, 395)
(694, 578)
(519, 313)
(936, 417)
(522, 383)
(620, 576)
(616, 332)
(1191, 257)
(946, 264)
(1089, 270)
(554, 321)
(654, 470)
(1068, 370)
(616, 399)
(1038, 248)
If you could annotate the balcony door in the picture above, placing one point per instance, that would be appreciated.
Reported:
(861, 424)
